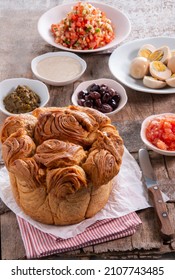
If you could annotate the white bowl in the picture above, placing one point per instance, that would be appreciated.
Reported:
(145, 140)
(9, 85)
(109, 82)
(62, 80)
(119, 20)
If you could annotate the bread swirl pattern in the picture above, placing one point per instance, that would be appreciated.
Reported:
(61, 162)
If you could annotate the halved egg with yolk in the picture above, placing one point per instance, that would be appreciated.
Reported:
(139, 67)
(146, 50)
(152, 82)
(159, 70)
(171, 81)
(162, 54)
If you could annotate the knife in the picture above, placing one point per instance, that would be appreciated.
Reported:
(166, 229)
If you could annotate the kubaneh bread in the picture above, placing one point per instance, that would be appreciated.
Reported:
(61, 162)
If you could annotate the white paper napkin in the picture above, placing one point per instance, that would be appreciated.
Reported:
(128, 195)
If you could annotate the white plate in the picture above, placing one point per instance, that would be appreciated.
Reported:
(120, 59)
(60, 82)
(148, 143)
(119, 20)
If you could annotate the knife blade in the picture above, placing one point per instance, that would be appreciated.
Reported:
(160, 206)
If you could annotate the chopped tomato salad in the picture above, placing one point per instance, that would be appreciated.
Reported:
(161, 133)
(84, 28)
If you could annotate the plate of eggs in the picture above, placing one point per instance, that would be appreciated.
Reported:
(146, 65)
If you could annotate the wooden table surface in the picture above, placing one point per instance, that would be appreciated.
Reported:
(20, 43)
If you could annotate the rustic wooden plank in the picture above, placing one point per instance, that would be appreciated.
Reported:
(147, 237)
(128, 128)
(11, 243)
(159, 167)
(60, 96)
(163, 103)
(171, 211)
(3, 207)
(168, 187)
(170, 166)
(122, 245)
(164, 167)
(169, 184)
(145, 243)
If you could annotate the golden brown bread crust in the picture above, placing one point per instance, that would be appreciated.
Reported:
(54, 153)
(12, 124)
(61, 162)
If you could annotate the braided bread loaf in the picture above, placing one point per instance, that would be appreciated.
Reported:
(61, 162)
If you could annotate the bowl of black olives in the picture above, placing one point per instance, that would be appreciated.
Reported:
(104, 95)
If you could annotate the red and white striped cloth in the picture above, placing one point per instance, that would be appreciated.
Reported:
(40, 244)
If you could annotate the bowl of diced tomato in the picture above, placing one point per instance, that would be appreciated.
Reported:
(84, 26)
(158, 133)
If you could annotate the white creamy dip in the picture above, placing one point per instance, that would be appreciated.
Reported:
(59, 68)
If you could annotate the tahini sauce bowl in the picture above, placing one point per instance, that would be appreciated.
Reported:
(58, 68)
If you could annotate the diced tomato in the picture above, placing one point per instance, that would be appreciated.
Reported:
(74, 17)
(161, 132)
(161, 145)
(85, 27)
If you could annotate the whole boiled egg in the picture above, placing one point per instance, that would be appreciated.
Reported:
(146, 50)
(171, 81)
(162, 54)
(159, 70)
(152, 82)
(171, 63)
(139, 67)
(172, 52)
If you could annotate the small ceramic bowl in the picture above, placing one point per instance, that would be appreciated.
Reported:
(58, 68)
(148, 143)
(111, 84)
(9, 85)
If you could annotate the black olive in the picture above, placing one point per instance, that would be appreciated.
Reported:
(112, 92)
(87, 97)
(100, 97)
(102, 91)
(93, 87)
(81, 102)
(113, 103)
(106, 97)
(88, 103)
(116, 98)
(106, 108)
(94, 94)
(98, 103)
(104, 86)
(82, 94)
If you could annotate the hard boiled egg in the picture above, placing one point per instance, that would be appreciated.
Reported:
(146, 50)
(171, 63)
(159, 70)
(162, 54)
(172, 52)
(171, 81)
(151, 82)
(139, 67)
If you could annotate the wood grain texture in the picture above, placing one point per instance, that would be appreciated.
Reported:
(11, 242)
(16, 53)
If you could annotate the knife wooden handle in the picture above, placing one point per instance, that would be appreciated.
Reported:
(167, 230)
